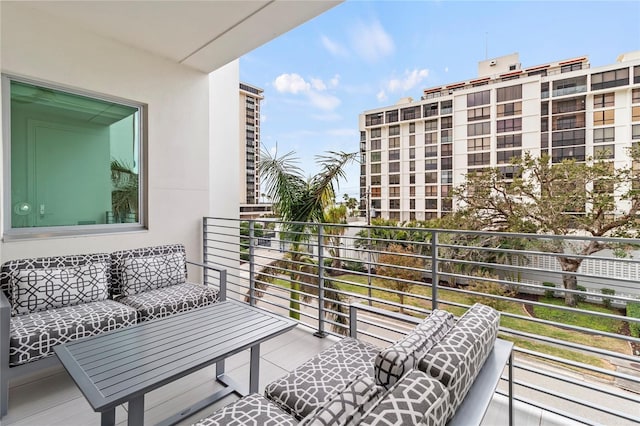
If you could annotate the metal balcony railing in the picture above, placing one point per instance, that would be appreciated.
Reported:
(580, 362)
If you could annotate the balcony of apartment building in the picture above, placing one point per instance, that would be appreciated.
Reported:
(571, 365)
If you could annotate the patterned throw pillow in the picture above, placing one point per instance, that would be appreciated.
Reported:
(347, 407)
(396, 360)
(40, 289)
(141, 274)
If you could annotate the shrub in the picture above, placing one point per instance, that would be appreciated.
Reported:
(244, 255)
(633, 311)
(354, 265)
(605, 300)
(581, 297)
(326, 262)
(549, 293)
(490, 288)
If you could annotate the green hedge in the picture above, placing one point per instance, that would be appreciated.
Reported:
(548, 294)
(633, 311)
(609, 292)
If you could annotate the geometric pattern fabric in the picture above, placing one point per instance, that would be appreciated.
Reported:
(321, 378)
(166, 301)
(251, 410)
(394, 361)
(33, 336)
(458, 358)
(417, 399)
(118, 261)
(41, 289)
(348, 406)
(141, 274)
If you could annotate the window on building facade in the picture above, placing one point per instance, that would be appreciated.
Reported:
(510, 93)
(412, 191)
(635, 96)
(504, 157)
(373, 119)
(478, 144)
(635, 131)
(376, 180)
(604, 100)
(478, 98)
(430, 110)
(606, 134)
(478, 159)
(412, 127)
(568, 121)
(446, 107)
(376, 192)
(570, 86)
(607, 79)
(509, 172)
(431, 177)
(431, 151)
(394, 191)
(513, 108)
(446, 149)
(375, 168)
(376, 157)
(568, 105)
(431, 164)
(509, 125)
(544, 90)
(431, 191)
(394, 130)
(431, 204)
(445, 190)
(446, 122)
(430, 125)
(394, 154)
(446, 163)
(430, 138)
(410, 113)
(412, 166)
(446, 177)
(602, 118)
(482, 113)
(394, 142)
(376, 133)
(477, 129)
(571, 67)
(394, 179)
(74, 160)
(394, 204)
(446, 136)
(544, 140)
(636, 74)
(412, 153)
(412, 178)
(376, 144)
(509, 141)
(574, 152)
(394, 215)
(569, 137)
(394, 167)
(635, 113)
(391, 116)
(544, 108)
(603, 152)
(412, 140)
(376, 204)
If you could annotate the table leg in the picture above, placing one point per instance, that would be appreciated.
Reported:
(136, 411)
(220, 368)
(511, 388)
(108, 418)
(254, 368)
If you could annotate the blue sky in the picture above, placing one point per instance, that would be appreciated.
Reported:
(362, 55)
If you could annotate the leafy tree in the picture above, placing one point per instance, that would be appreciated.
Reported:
(300, 202)
(570, 198)
(401, 264)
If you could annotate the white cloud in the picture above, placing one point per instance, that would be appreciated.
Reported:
(408, 81)
(314, 90)
(263, 118)
(381, 96)
(336, 49)
(324, 101)
(335, 81)
(446, 69)
(318, 84)
(371, 41)
(291, 83)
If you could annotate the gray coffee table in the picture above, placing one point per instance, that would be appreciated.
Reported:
(123, 365)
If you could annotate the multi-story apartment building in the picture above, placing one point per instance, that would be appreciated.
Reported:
(415, 152)
(250, 98)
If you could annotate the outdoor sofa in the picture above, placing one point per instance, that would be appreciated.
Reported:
(48, 301)
(422, 379)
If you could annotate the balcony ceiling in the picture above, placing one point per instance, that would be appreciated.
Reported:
(200, 34)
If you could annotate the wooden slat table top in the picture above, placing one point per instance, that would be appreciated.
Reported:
(112, 368)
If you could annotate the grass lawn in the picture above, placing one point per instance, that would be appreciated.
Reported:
(356, 285)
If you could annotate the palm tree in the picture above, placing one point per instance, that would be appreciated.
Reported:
(301, 201)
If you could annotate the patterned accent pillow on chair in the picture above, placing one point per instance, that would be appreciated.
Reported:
(416, 399)
(348, 406)
(140, 274)
(41, 289)
(458, 358)
(396, 360)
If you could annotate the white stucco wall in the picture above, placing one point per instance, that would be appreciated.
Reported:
(43, 48)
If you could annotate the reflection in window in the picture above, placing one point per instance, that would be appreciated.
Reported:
(75, 160)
